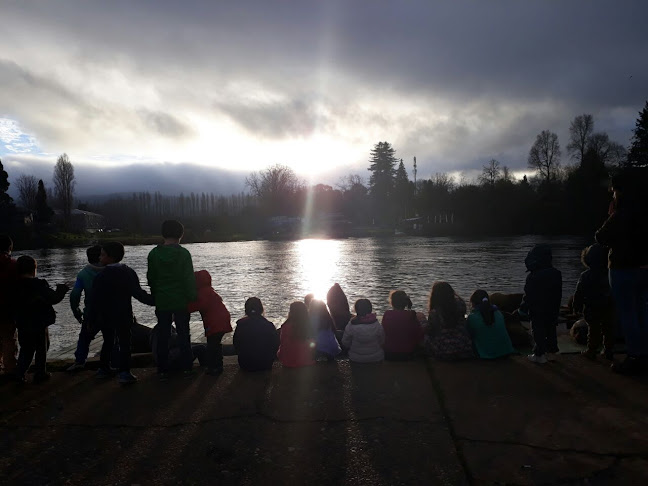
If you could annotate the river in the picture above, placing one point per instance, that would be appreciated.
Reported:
(279, 272)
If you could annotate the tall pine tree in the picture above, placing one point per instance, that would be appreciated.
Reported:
(638, 154)
(43, 212)
(381, 182)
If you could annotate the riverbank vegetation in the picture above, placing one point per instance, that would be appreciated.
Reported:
(559, 196)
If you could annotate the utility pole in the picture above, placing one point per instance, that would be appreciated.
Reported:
(415, 176)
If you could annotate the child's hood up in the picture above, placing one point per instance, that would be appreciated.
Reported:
(203, 279)
(539, 257)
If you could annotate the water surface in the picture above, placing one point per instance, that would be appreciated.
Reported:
(280, 272)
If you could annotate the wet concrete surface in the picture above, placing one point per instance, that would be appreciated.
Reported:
(422, 422)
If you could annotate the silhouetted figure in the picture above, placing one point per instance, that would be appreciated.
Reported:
(402, 326)
(446, 334)
(297, 346)
(364, 336)
(541, 302)
(33, 307)
(338, 305)
(487, 328)
(8, 335)
(216, 320)
(111, 309)
(173, 285)
(256, 340)
(625, 233)
(593, 300)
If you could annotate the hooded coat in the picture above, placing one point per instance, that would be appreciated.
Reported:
(215, 316)
(543, 287)
(83, 283)
(364, 338)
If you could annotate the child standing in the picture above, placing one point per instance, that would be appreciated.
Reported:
(487, 328)
(216, 320)
(256, 340)
(403, 331)
(364, 336)
(8, 343)
(541, 302)
(593, 299)
(296, 344)
(323, 326)
(33, 303)
(173, 285)
(83, 284)
(111, 309)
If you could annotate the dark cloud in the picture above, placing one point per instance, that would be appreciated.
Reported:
(165, 124)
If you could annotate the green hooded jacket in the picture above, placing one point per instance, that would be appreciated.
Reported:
(171, 277)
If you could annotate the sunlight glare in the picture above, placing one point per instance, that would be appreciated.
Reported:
(318, 260)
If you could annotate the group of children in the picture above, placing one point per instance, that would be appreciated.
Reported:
(313, 330)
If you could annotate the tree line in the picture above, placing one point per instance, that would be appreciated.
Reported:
(556, 198)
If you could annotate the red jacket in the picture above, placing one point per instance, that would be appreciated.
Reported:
(403, 332)
(215, 316)
(294, 352)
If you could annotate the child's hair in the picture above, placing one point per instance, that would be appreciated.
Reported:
(594, 256)
(115, 250)
(480, 301)
(398, 299)
(6, 243)
(298, 318)
(253, 307)
(26, 265)
(93, 253)
(172, 229)
(308, 298)
(443, 300)
(320, 315)
(363, 307)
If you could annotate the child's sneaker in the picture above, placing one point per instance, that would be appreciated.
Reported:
(104, 373)
(126, 377)
(537, 359)
(550, 356)
(75, 367)
(42, 376)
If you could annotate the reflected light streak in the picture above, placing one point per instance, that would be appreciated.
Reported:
(318, 260)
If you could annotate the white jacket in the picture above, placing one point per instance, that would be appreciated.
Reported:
(364, 342)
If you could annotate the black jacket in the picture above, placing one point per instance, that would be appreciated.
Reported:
(256, 341)
(112, 290)
(593, 293)
(543, 287)
(625, 232)
(33, 302)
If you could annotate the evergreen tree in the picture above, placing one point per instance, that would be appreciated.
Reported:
(6, 202)
(381, 182)
(403, 189)
(43, 211)
(638, 154)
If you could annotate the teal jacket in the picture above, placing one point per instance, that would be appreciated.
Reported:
(171, 277)
(83, 284)
(492, 341)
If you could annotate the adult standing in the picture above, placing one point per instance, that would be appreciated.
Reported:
(8, 339)
(625, 234)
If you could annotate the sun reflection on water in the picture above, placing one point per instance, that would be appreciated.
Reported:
(318, 261)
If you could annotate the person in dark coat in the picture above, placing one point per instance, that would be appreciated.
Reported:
(8, 339)
(593, 299)
(33, 303)
(111, 309)
(256, 339)
(541, 302)
(625, 233)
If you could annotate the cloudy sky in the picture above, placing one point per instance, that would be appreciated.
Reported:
(176, 95)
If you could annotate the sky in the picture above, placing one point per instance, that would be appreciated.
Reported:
(194, 95)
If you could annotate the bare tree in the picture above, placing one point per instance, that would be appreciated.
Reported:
(27, 189)
(606, 150)
(275, 186)
(64, 185)
(490, 173)
(347, 182)
(580, 131)
(544, 156)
